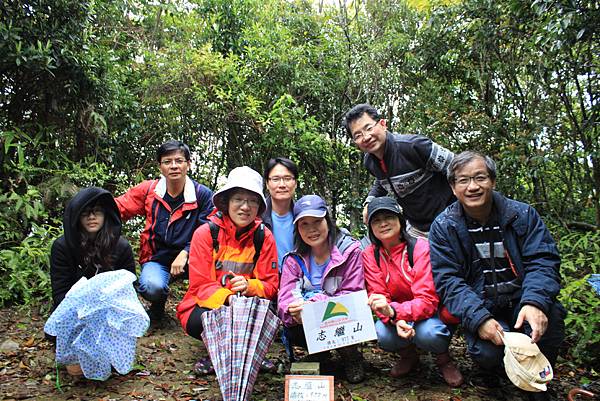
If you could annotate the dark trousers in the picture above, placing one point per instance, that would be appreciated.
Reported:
(489, 356)
(194, 324)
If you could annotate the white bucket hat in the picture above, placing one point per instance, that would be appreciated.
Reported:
(240, 177)
(524, 363)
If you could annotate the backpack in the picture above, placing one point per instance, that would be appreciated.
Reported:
(258, 239)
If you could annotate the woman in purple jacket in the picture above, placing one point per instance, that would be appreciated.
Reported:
(325, 263)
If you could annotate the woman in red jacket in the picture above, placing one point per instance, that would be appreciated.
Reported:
(402, 293)
(218, 273)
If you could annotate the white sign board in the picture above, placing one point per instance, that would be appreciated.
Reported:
(338, 322)
(308, 388)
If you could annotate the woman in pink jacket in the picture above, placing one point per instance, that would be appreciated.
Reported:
(320, 267)
(402, 293)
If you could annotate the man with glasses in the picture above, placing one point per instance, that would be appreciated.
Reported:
(411, 167)
(495, 267)
(280, 175)
(174, 206)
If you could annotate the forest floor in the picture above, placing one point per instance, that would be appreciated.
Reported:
(166, 356)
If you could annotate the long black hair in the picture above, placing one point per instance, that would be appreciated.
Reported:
(97, 251)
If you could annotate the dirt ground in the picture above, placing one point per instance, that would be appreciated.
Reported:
(166, 355)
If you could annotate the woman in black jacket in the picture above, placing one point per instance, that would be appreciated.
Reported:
(91, 244)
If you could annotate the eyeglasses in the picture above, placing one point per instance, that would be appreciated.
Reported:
(286, 178)
(359, 136)
(96, 210)
(464, 181)
(167, 162)
(238, 202)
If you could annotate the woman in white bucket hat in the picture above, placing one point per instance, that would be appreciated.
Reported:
(231, 264)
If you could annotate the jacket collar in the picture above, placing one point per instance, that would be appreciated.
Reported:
(370, 158)
(336, 259)
(507, 213)
(189, 192)
(225, 223)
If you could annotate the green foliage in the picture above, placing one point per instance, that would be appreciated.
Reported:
(580, 254)
(24, 268)
(92, 87)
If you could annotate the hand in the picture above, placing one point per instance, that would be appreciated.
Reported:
(379, 303)
(295, 309)
(489, 331)
(365, 214)
(239, 284)
(179, 263)
(404, 330)
(536, 319)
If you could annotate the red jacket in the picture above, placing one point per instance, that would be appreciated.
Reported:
(234, 255)
(410, 291)
(167, 232)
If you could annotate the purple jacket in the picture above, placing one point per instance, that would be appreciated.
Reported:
(343, 274)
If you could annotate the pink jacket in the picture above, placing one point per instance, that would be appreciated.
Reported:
(410, 291)
(343, 274)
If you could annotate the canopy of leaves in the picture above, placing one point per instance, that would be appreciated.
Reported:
(90, 88)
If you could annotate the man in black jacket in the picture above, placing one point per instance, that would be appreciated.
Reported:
(411, 167)
(495, 266)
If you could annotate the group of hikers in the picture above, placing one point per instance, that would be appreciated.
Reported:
(445, 250)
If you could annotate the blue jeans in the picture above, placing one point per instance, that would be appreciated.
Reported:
(430, 335)
(154, 282)
(489, 356)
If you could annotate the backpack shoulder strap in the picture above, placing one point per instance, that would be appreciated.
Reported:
(258, 239)
(411, 242)
(343, 240)
(214, 234)
(302, 265)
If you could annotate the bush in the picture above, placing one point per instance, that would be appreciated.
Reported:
(24, 268)
(580, 254)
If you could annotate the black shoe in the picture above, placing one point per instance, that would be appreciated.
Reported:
(267, 366)
(156, 313)
(321, 357)
(486, 379)
(541, 396)
(353, 362)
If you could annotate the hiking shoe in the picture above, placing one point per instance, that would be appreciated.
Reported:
(450, 372)
(320, 357)
(486, 379)
(541, 396)
(409, 359)
(548, 395)
(156, 312)
(204, 367)
(74, 370)
(353, 364)
(267, 366)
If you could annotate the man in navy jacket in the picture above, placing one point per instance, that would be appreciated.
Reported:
(495, 265)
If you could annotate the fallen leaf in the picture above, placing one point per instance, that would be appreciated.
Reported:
(30, 342)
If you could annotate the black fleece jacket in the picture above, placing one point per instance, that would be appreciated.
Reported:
(66, 261)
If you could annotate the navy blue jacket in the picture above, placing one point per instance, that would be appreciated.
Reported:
(528, 243)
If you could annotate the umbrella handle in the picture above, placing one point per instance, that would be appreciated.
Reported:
(573, 393)
(224, 279)
(224, 282)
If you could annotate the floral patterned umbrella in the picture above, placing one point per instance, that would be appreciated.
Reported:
(97, 324)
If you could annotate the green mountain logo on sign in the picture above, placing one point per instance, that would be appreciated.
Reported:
(334, 309)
